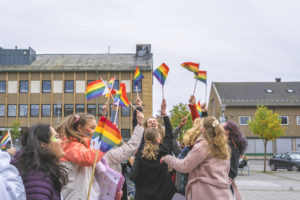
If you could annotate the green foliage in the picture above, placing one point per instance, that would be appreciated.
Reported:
(15, 129)
(266, 124)
(177, 113)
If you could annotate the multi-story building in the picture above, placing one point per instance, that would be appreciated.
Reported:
(46, 88)
(238, 101)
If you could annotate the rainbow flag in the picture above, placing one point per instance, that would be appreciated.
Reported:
(121, 96)
(199, 109)
(5, 140)
(194, 67)
(95, 89)
(110, 87)
(161, 73)
(137, 76)
(106, 135)
(201, 76)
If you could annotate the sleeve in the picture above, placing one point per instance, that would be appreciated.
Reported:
(121, 153)
(40, 189)
(81, 155)
(194, 111)
(166, 146)
(204, 114)
(234, 161)
(134, 117)
(175, 147)
(195, 157)
(135, 171)
(11, 185)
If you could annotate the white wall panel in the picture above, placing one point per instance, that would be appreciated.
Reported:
(35, 87)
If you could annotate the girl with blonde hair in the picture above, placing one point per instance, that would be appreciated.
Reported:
(151, 178)
(207, 162)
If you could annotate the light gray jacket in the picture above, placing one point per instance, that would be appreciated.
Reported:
(117, 155)
(11, 185)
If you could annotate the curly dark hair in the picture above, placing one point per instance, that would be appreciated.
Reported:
(236, 136)
(35, 157)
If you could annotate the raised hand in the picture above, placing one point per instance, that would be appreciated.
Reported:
(138, 101)
(163, 108)
(204, 107)
(140, 117)
(183, 121)
(192, 100)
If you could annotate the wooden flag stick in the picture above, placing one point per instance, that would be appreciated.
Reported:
(93, 172)
(195, 87)
(163, 96)
(205, 92)
(188, 115)
(117, 111)
(137, 92)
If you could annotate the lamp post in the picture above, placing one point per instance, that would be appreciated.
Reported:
(222, 118)
(58, 105)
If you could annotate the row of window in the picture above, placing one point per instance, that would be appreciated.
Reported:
(284, 120)
(68, 86)
(57, 110)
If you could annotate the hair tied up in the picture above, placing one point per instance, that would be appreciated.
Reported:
(76, 118)
(215, 123)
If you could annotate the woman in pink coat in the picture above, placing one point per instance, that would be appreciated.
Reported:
(208, 162)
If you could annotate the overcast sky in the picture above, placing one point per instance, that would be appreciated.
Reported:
(234, 40)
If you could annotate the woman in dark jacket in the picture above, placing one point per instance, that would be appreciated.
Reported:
(38, 163)
(152, 178)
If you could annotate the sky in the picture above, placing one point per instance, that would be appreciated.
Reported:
(233, 40)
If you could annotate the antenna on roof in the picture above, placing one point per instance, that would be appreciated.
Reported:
(108, 49)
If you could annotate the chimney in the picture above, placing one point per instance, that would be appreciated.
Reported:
(278, 80)
(143, 50)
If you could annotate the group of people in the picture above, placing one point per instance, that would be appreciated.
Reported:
(57, 164)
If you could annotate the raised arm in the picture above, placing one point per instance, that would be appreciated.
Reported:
(166, 146)
(138, 107)
(175, 147)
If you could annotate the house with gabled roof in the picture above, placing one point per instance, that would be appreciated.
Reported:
(238, 101)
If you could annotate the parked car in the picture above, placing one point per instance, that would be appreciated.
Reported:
(289, 161)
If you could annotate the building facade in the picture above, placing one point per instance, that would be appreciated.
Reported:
(238, 101)
(45, 88)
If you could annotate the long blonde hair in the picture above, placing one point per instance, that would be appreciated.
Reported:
(191, 135)
(214, 134)
(151, 145)
(69, 126)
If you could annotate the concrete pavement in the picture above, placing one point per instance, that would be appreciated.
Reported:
(279, 185)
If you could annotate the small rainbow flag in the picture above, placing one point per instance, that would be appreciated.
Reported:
(201, 76)
(5, 140)
(121, 96)
(106, 135)
(161, 73)
(194, 67)
(137, 76)
(110, 87)
(199, 109)
(95, 89)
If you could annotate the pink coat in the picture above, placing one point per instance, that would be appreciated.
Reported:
(208, 176)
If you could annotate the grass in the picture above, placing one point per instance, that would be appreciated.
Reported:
(267, 172)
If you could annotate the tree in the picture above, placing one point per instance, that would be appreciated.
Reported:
(14, 129)
(177, 113)
(266, 125)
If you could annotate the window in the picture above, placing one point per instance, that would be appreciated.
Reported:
(139, 87)
(284, 120)
(68, 109)
(125, 111)
(69, 86)
(116, 85)
(2, 110)
(89, 81)
(100, 111)
(79, 108)
(2, 86)
(125, 134)
(11, 110)
(298, 120)
(46, 86)
(46, 110)
(277, 155)
(57, 110)
(111, 107)
(244, 120)
(23, 110)
(23, 86)
(34, 110)
(91, 108)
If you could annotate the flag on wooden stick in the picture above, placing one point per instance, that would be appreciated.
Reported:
(193, 67)
(95, 89)
(137, 76)
(161, 73)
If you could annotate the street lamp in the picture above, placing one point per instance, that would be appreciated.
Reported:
(222, 118)
(58, 106)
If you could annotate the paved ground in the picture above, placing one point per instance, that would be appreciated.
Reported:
(279, 185)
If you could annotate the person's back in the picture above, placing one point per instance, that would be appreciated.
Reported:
(11, 185)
